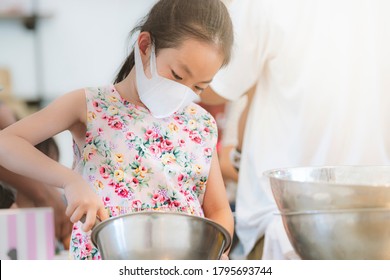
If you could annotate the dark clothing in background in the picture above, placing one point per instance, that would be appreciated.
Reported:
(7, 197)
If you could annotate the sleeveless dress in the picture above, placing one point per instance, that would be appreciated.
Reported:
(136, 162)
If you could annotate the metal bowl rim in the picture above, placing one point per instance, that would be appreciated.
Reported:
(268, 174)
(334, 211)
(103, 224)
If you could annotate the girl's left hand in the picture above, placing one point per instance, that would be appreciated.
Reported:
(82, 200)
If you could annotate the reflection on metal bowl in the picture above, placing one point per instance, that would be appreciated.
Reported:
(351, 234)
(159, 236)
(335, 212)
(330, 187)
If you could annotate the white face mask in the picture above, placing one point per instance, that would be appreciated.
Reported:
(161, 96)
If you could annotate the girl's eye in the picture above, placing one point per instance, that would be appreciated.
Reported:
(177, 77)
(199, 89)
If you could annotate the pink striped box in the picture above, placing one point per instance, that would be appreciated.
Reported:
(27, 234)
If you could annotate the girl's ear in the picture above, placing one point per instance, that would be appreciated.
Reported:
(144, 42)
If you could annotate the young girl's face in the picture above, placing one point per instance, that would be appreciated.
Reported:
(192, 64)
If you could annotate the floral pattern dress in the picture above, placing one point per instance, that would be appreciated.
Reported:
(136, 162)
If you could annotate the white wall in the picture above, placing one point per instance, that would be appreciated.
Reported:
(82, 44)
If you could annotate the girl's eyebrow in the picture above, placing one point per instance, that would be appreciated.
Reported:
(188, 71)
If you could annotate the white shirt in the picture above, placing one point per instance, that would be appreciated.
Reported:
(233, 111)
(323, 94)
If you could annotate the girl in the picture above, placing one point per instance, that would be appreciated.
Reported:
(140, 144)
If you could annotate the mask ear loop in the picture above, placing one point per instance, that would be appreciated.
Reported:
(139, 66)
(153, 63)
(152, 60)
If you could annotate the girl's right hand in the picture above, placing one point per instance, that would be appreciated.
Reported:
(83, 201)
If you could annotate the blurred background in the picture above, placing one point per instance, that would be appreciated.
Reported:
(50, 47)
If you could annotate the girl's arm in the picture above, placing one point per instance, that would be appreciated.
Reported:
(7, 117)
(18, 154)
(216, 205)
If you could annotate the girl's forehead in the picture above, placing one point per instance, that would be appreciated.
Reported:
(198, 61)
(194, 52)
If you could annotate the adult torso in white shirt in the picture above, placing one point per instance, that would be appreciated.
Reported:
(323, 92)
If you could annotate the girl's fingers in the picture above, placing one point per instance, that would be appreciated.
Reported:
(77, 214)
(70, 209)
(103, 214)
(90, 221)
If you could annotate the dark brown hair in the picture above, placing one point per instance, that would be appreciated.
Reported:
(50, 148)
(170, 22)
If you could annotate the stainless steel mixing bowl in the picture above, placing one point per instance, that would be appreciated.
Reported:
(330, 187)
(159, 236)
(360, 234)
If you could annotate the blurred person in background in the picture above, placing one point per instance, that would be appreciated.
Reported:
(22, 192)
(231, 144)
(322, 98)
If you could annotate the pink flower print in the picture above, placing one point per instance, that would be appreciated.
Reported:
(194, 136)
(149, 134)
(157, 197)
(138, 158)
(88, 247)
(162, 198)
(185, 129)
(174, 203)
(166, 145)
(114, 211)
(79, 238)
(136, 204)
(88, 137)
(182, 143)
(97, 107)
(104, 117)
(208, 152)
(100, 131)
(106, 200)
(122, 192)
(134, 183)
(180, 178)
(178, 120)
(185, 193)
(104, 172)
(119, 185)
(130, 135)
(206, 131)
(115, 123)
(155, 150)
(111, 183)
